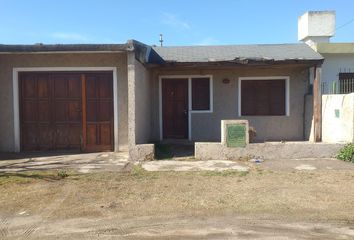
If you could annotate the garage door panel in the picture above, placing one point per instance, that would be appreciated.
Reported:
(44, 111)
(29, 111)
(28, 86)
(43, 87)
(105, 89)
(99, 89)
(75, 135)
(60, 87)
(91, 109)
(91, 86)
(67, 135)
(104, 110)
(105, 136)
(74, 111)
(74, 87)
(91, 134)
(61, 111)
(45, 139)
(29, 136)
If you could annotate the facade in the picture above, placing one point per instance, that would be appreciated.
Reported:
(124, 97)
(338, 68)
(41, 98)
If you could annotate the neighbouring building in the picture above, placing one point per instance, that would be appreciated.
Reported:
(315, 28)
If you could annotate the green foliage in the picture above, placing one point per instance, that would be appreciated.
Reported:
(225, 173)
(62, 174)
(140, 173)
(346, 153)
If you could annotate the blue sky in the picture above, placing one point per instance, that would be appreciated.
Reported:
(182, 22)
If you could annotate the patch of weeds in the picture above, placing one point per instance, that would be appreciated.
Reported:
(346, 153)
(62, 174)
(246, 158)
(9, 178)
(221, 201)
(28, 177)
(226, 173)
(139, 172)
(163, 151)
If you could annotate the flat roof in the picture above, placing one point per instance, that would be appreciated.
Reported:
(334, 47)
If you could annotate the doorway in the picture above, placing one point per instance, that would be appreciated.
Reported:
(175, 108)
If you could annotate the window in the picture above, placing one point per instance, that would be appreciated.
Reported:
(263, 96)
(201, 94)
(346, 83)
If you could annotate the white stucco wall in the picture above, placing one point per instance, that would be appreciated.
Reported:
(338, 118)
(332, 66)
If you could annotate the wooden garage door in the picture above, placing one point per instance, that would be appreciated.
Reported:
(53, 110)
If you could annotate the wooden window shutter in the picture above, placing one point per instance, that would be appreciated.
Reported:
(263, 97)
(200, 93)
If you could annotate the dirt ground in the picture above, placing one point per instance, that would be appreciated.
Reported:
(259, 204)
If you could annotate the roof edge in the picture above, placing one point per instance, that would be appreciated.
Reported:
(61, 48)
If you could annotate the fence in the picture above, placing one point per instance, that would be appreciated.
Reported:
(346, 85)
(343, 86)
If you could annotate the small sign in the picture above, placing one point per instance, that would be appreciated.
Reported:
(236, 135)
(336, 113)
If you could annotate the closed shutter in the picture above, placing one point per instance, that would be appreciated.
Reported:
(200, 93)
(263, 97)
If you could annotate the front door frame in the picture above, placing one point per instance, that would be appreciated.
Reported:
(16, 100)
(190, 111)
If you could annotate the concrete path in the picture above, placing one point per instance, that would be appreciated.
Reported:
(310, 164)
(210, 165)
(83, 162)
(110, 161)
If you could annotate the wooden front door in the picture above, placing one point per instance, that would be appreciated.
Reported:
(53, 111)
(175, 108)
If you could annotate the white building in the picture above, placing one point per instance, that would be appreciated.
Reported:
(315, 28)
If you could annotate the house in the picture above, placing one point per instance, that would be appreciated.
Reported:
(124, 97)
(315, 28)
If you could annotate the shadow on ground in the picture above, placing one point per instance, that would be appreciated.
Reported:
(164, 151)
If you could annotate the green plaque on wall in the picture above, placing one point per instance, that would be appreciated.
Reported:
(236, 135)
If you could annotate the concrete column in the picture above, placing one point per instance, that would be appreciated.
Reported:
(131, 99)
(317, 106)
(137, 152)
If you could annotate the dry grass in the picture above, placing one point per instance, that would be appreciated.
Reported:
(319, 195)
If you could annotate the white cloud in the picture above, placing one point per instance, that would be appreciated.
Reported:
(172, 20)
(208, 41)
(69, 36)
